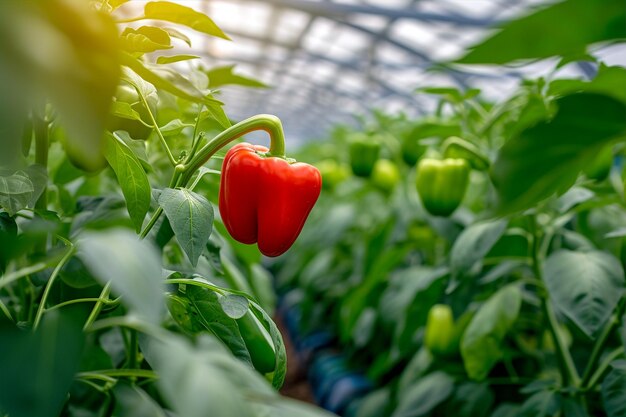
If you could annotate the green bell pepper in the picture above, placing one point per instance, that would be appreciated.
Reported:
(364, 153)
(441, 184)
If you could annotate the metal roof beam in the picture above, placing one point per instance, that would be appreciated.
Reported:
(332, 9)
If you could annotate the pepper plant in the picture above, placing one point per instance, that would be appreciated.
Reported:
(121, 293)
(490, 281)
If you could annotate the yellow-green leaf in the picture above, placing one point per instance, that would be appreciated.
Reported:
(145, 39)
(175, 58)
(225, 76)
(176, 13)
(131, 177)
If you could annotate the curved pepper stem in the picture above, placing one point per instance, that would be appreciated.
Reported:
(267, 122)
(455, 147)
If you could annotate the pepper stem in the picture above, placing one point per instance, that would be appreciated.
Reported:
(267, 122)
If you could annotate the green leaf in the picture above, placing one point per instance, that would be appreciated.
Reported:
(16, 192)
(225, 76)
(38, 368)
(235, 306)
(168, 80)
(374, 404)
(262, 283)
(428, 286)
(572, 407)
(422, 397)
(434, 128)
(79, 72)
(548, 32)
(506, 410)
(175, 58)
(137, 146)
(470, 399)
(175, 33)
(196, 379)
(451, 94)
(38, 175)
(541, 404)
(132, 266)
(124, 110)
(145, 39)
(614, 390)
(191, 218)
(174, 127)
(474, 243)
(213, 249)
(573, 197)
(609, 81)
(131, 177)
(132, 401)
(115, 3)
(278, 376)
(210, 316)
(285, 407)
(577, 57)
(419, 364)
(176, 13)
(547, 157)
(215, 111)
(481, 344)
(233, 276)
(585, 286)
(143, 87)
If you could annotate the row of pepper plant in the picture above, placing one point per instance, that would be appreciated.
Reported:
(121, 291)
(471, 261)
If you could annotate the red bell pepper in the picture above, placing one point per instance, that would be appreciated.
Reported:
(266, 199)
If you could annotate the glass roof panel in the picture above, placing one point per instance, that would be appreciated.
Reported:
(327, 59)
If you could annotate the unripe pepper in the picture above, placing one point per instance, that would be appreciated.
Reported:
(363, 155)
(385, 175)
(441, 184)
(258, 342)
(439, 337)
(412, 149)
(266, 199)
(333, 173)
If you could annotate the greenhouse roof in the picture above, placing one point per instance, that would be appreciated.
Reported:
(327, 60)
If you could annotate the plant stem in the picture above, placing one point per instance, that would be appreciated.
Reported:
(41, 153)
(104, 301)
(603, 367)
(270, 124)
(14, 276)
(155, 126)
(174, 182)
(598, 347)
(131, 19)
(197, 180)
(104, 294)
(40, 127)
(5, 310)
(183, 173)
(196, 139)
(116, 373)
(133, 349)
(49, 284)
(566, 363)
